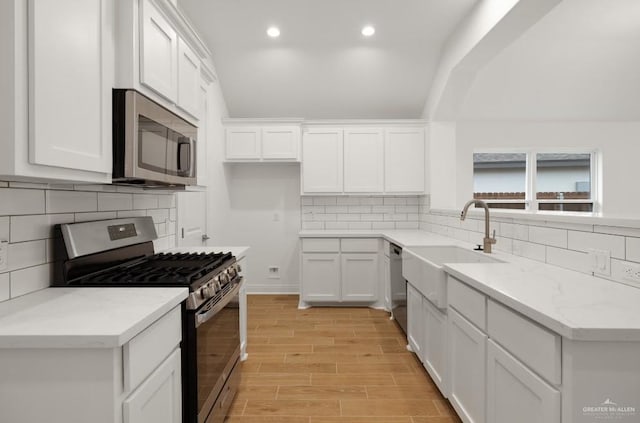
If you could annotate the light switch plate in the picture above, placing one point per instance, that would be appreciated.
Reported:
(4, 250)
(600, 261)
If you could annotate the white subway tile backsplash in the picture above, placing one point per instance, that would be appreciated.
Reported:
(515, 231)
(395, 201)
(359, 209)
(529, 250)
(371, 217)
(5, 229)
(312, 225)
(145, 201)
(166, 201)
(108, 201)
(383, 209)
(324, 201)
(337, 209)
(5, 287)
(372, 201)
(347, 201)
(131, 213)
(383, 225)
(336, 225)
(313, 209)
(71, 201)
(615, 230)
(26, 254)
(360, 225)
(325, 217)
(407, 209)
(306, 201)
(172, 214)
(21, 201)
(93, 187)
(573, 260)
(584, 241)
(28, 185)
(349, 217)
(633, 249)
(548, 236)
(87, 217)
(396, 217)
(159, 215)
(30, 279)
(407, 225)
(33, 227)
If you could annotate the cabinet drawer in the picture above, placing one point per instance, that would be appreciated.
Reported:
(320, 245)
(467, 301)
(150, 347)
(532, 344)
(359, 245)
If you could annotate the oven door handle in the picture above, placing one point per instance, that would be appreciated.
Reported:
(204, 316)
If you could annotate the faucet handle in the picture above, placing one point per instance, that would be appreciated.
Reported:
(478, 247)
(494, 234)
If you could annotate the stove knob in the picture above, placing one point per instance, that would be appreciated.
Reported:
(205, 292)
(238, 268)
(224, 278)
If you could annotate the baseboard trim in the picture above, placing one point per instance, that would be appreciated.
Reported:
(273, 289)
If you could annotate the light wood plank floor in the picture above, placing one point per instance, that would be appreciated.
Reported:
(331, 365)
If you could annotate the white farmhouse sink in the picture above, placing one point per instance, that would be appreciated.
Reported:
(422, 267)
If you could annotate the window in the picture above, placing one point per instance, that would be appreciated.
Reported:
(536, 180)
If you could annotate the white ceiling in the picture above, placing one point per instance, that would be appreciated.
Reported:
(321, 67)
(580, 62)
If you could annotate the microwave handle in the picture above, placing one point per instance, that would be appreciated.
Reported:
(186, 151)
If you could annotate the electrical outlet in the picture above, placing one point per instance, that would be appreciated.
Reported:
(600, 261)
(631, 272)
(4, 249)
(274, 272)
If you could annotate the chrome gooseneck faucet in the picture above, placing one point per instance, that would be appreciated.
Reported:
(487, 241)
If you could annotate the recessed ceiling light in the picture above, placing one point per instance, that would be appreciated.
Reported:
(368, 31)
(273, 32)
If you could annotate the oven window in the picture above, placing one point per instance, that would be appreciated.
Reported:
(152, 145)
(218, 339)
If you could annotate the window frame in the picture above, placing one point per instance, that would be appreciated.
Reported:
(531, 203)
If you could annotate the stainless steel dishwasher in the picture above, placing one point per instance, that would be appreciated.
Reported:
(398, 287)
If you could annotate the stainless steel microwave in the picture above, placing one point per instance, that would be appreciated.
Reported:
(152, 146)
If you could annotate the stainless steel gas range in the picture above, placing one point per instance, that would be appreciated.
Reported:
(120, 253)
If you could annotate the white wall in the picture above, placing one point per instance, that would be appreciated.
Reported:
(617, 142)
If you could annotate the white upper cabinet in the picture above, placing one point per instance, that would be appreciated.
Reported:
(158, 52)
(380, 159)
(242, 143)
(322, 160)
(57, 75)
(280, 142)
(404, 160)
(248, 140)
(188, 79)
(70, 77)
(363, 160)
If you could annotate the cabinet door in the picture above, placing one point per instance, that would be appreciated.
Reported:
(386, 274)
(435, 344)
(360, 277)
(321, 277)
(515, 393)
(467, 368)
(243, 143)
(203, 135)
(404, 160)
(159, 398)
(415, 321)
(158, 52)
(188, 79)
(70, 80)
(280, 143)
(363, 160)
(322, 161)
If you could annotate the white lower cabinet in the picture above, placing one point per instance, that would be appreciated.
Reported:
(386, 274)
(159, 398)
(359, 271)
(321, 277)
(415, 321)
(435, 344)
(467, 369)
(515, 393)
(340, 270)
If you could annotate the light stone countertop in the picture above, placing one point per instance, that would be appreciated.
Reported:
(575, 305)
(83, 317)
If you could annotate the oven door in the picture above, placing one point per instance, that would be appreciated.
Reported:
(217, 353)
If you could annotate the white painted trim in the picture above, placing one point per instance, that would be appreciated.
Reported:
(265, 289)
(261, 121)
(184, 26)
